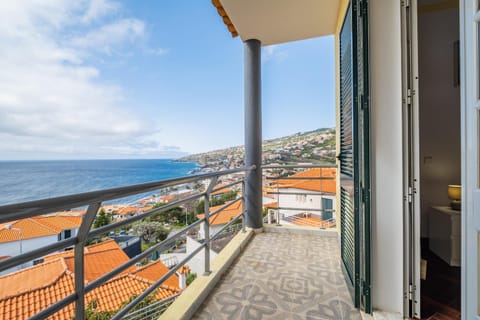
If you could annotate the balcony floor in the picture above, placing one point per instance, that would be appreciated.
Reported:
(283, 276)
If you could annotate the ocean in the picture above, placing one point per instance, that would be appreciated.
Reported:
(32, 180)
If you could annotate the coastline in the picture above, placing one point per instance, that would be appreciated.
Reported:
(24, 181)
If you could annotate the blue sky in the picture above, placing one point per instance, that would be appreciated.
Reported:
(144, 79)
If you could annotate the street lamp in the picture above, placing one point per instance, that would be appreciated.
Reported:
(11, 227)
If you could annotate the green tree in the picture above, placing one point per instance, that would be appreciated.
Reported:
(174, 215)
(151, 231)
(190, 277)
(200, 207)
(151, 298)
(91, 312)
(227, 196)
(102, 219)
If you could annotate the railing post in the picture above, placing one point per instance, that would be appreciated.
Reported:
(253, 132)
(79, 259)
(206, 225)
(206, 231)
(277, 213)
(244, 209)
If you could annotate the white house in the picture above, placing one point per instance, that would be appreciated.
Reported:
(313, 198)
(197, 262)
(220, 219)
(25, 235)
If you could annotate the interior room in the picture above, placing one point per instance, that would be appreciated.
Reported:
(440, 158)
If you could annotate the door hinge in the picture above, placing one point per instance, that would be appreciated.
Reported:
(406, 3)
(362, 12)
(411, 291)
(363, 102)
(359, 8)
(410, 94)
(410, 195)
(365, 289)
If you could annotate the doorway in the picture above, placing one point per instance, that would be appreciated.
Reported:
(433, 142)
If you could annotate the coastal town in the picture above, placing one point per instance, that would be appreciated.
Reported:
(316, 147)
(298, 196)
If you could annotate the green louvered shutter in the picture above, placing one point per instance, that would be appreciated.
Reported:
(346, 149)
(354, 153)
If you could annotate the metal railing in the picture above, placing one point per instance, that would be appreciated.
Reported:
(93, 201)
(152, 311)
(285, 179)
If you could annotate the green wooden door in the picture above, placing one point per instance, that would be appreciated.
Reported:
(354, 153)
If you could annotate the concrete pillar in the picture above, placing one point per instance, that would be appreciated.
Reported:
(253, 133)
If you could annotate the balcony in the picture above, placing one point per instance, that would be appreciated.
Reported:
(286, 271)
(283, 274)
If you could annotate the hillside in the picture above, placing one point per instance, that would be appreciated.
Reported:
(316, 146)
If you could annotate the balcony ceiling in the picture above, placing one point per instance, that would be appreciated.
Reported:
(279, 21)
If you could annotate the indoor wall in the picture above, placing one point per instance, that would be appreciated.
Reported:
(439, 105)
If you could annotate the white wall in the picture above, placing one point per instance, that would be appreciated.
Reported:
(213, 229)
(295, 201)
(386, 153)
(439, 106)
(13, 249)
(197, 263)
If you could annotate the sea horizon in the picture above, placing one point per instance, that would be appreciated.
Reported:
(28, 180)
(90, 159)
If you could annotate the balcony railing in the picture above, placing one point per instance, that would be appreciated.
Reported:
(93, 201)
(152, 311)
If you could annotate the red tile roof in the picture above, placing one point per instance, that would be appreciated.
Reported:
(114, 293)
(99, 263)
(101, 246)
(29, 229)
(58, 223)
(226, 20)
(42, 226)
(222, 190)
(99, 259)
(167, 198)
(271, 205)
(223, 217)
(127, 210)
(312, 185)
(28, 291)
(154, 271)
(146, 208)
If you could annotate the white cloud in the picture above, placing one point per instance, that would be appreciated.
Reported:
(109, 36)
(273, 53)
(52, 100)
(157, 51)
(98, 9)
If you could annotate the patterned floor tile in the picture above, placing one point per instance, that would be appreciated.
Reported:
(283, 276)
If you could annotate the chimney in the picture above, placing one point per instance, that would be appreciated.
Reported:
(182, 277)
